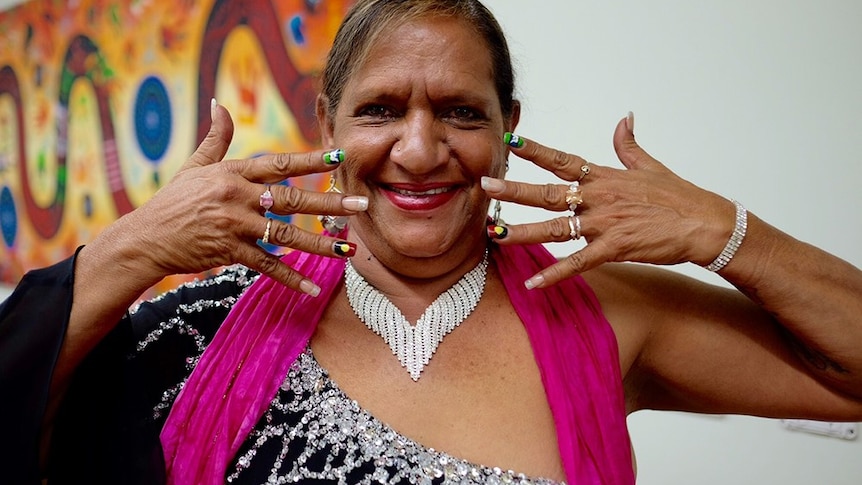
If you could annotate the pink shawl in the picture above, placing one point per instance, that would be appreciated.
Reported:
(241, 371)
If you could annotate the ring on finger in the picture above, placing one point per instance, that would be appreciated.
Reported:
(574, 227)
(266, 200)
(574, 197)
(585, 170)
(265, 237)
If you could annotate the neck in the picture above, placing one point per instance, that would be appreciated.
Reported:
(412, 283)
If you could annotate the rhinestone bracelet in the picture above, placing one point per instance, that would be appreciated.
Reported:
(735, 239)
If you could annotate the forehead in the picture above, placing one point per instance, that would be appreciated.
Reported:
(439, 53)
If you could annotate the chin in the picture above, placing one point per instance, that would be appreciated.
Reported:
(414, 239)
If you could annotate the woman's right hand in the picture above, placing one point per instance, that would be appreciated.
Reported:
(210, 214)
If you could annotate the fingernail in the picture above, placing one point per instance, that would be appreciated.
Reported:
(309, 288)
(513, 140)
(334, 157)
(355, 203)
(534, 282)
(492, 185)
(497, 232)
(344, 249)
(213, 104)
(630, 122)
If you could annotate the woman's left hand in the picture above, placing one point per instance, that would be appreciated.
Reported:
(643, 213)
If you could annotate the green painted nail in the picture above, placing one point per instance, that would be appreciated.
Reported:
(513, 140)
(334, 157)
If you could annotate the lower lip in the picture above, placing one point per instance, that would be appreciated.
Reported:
(418, 203)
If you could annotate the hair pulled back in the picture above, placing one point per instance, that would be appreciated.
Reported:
(367, 19)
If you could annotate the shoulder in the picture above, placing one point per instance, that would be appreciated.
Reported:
(201, 303)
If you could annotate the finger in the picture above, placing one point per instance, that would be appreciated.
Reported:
(274, 168)
(560, 229)
(589, 257)
(215, 144)
(628, 150)
(290, 236)
(272, 266)
(562, 164)
(288, 199)
(546, 196)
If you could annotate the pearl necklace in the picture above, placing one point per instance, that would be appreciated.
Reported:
(415, 344)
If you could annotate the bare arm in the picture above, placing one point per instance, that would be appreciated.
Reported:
(207, 216)
(789, 348)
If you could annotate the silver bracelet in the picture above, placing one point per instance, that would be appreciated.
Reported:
(735, 239)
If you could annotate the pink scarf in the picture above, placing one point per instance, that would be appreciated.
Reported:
(242, 369)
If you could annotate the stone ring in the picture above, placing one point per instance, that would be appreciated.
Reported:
(574, 197)
(266, 200)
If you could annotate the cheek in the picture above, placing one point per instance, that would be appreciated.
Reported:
(483, 157)
(366, 152)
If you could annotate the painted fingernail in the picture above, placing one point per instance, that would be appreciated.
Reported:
(492, 185)
(534, 282)
(497, 232)
(355, 203)
(309, 288)
(213, 104)
(334, 157)
(513, 140)
(630, 122)
(344, 249)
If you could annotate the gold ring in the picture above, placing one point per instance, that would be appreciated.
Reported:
(585, 170)
(574, 197)
(265, 237)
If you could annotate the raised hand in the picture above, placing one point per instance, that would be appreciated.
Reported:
(212, 214)
(642, 213)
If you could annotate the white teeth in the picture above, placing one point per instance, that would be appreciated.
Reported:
(426, 192)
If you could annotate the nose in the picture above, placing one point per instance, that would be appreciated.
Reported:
(420, 147)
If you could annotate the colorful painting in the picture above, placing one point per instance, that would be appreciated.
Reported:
(102, 100)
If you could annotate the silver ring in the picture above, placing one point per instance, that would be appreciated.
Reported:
(265, 237)
(574, 227)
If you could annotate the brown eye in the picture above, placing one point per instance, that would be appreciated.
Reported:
(376, 111)
(464, 113)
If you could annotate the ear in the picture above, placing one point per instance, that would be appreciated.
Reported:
(325, 122)
(516, 115)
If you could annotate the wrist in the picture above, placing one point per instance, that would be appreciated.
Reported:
(733, 242)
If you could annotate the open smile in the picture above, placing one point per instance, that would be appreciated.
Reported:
(419, 198)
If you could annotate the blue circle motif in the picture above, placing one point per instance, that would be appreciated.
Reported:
(8, 217)
(153, 121)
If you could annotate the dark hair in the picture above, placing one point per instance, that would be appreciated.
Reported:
(367, 19)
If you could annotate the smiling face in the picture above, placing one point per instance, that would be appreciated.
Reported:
(421, 123)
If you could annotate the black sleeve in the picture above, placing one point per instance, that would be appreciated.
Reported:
(33, 322)
(107, 429)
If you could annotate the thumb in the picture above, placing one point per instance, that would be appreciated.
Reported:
(217, 140)
(628, 150)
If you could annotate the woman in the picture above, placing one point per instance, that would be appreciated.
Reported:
(542, 360)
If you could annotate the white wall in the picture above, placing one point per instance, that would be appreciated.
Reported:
(756, 100)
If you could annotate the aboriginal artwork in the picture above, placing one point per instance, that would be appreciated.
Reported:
(101, 101)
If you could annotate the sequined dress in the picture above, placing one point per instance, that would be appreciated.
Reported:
(311, 433)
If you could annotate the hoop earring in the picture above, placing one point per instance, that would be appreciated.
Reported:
(333, 224)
